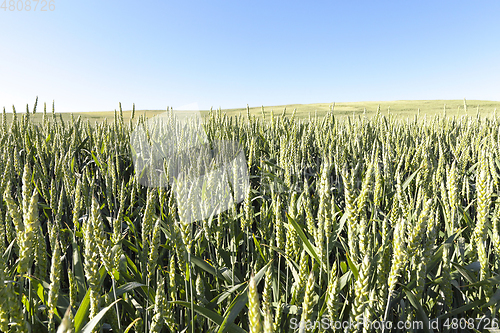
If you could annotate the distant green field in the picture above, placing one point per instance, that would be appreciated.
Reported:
(400, 109)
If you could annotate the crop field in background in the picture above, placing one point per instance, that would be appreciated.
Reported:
(374, 220)
(399, 109)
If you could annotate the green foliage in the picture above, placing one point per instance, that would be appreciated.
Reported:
(379, 218)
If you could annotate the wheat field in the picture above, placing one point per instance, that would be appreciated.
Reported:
(373, 221)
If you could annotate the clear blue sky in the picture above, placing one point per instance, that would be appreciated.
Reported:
(90, 55)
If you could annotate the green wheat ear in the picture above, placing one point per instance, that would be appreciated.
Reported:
(307, 304)
(254, 317)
